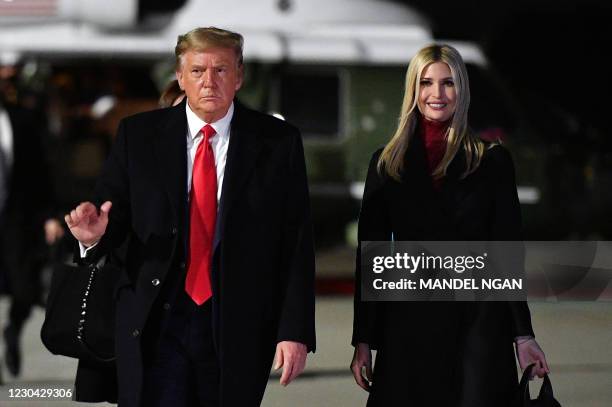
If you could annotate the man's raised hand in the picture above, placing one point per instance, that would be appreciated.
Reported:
(86, 224)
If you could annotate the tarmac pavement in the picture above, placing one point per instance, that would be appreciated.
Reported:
(576, 336)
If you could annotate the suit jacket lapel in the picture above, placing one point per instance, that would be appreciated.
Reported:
(170, 149)
(241, 157)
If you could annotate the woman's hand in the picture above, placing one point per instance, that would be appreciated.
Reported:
(362, 359)
(527, 352)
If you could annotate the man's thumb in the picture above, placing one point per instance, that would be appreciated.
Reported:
(105, 209)
(279, 359)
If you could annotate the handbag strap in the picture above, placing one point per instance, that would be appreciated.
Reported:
(546, 391)
(93, 270)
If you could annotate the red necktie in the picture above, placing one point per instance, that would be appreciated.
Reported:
(202, 218)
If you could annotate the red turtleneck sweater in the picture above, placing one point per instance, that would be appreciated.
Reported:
(433, 135)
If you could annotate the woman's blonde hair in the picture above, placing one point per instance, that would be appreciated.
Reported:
(391, 160)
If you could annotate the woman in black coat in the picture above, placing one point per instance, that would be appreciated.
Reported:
(436, 181)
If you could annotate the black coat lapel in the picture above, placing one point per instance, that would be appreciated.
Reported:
(170, 149)
(416, 172)
(241, 157)
(434, 202)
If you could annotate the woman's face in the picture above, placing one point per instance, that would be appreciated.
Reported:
(437, 96)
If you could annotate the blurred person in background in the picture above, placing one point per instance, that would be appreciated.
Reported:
(172, 95)
(436, 181)
(25, 208)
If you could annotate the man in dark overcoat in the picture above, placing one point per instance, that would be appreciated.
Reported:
(25, 202)
(219, 271)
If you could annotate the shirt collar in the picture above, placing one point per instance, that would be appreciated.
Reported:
(221, 126)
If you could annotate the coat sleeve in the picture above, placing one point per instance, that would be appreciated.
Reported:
(374, 225)
(113, 185)
(297, 316)
(95, 382)
(506, 225)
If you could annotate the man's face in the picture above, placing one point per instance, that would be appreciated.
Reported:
(210, 80)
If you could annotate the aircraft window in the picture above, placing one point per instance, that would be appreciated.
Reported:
(311, 102)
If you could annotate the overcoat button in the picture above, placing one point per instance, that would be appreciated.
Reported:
(135, 333)
(174, 231)
(166, 306)
(182, 265)
(155, 282)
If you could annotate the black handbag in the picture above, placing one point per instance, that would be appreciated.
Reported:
(80, 316)
(545, 398)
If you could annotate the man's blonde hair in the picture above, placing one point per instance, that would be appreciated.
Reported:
(202, 38)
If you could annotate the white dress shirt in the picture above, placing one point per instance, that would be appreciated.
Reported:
(6, 155)
(219, 143)
(6, 137)
(194, 136)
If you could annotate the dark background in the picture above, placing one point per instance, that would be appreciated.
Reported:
(551, 52)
